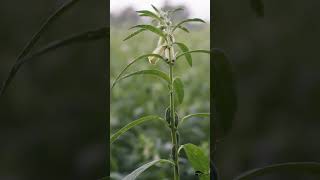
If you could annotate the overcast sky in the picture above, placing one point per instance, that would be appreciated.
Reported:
(199, 9)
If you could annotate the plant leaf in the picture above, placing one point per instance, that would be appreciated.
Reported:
(150, 28)
(132, 62)
(179, 89)
(258, 7)
(194, 115)
(193, 51)
(134, 123)
(188, 20)
(154, 72)
(184, 29)
(155, 9)
(63, 8)
(176, 10)
(185, 49)
(149, 14)
(224, 95)
(198, 160)
(292, 167)
(134, 33)
(80, 37)
(133, 175)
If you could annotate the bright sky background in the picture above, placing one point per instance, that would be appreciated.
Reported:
(199, 9)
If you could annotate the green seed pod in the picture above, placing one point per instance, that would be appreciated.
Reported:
(173, 152)
(178, 137)
(168, 119)
(176, 119)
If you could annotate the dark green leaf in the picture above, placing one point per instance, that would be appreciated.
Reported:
(150, 28)
(291, 167)
(134, 123)
(149, 14)
(224, 95)
(184, 29)
(137, 172)
(258, 7)
(62, 9)
(198, 160)
(154, 72)
(194, 51)
(185, 49)
(179, 89)
(132, 62)
(176, 10)
(155, 9)
(188, 20)
(194, 115)
(134, 33)
(77, 38)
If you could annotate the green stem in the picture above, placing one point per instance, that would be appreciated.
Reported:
(173, 128)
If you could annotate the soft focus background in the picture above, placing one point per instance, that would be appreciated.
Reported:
(53, 120)
(138, 96)
(278, 84)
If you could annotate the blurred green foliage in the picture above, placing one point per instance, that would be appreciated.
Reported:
(145, 95)
(52, 118)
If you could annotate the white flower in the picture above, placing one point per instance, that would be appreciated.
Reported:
(159, 50)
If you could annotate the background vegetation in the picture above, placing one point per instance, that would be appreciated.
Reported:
(278, 84)
(53, 120)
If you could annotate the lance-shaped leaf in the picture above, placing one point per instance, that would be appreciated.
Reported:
(156, 9)
(188, 20)
(137, 172)
(184, 29)
(150, 28)
(77, 38)
(54, 16)
(313, 168)
(176, 10)
(134, 33)
(134, 123)
(202, 115)
(258, 7)
(132, 62)
(153, 72)
(198, 160)
(149, 14)
(193, 51)
(184, 50)
(179, 89)
(224, 95)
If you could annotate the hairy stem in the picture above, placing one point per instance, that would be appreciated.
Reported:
(173, 128)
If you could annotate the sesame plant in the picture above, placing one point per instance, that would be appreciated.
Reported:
(170, 52)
